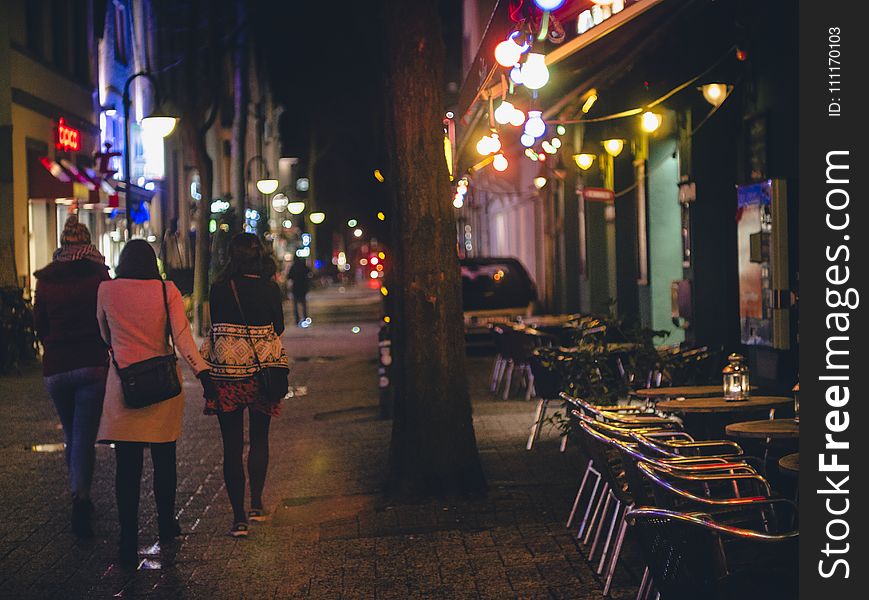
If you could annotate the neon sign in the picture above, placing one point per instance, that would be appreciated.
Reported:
(68, 138)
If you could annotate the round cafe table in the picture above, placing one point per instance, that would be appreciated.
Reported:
(768, 429)
(683, 391)
(706, 418)
(790, 464)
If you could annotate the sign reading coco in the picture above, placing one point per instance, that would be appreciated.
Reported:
(68, 138)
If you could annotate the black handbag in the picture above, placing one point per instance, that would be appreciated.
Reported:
(152, 380)
(272, 382)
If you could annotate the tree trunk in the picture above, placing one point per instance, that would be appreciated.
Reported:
(238, 177)
(433, 450)
(195, 142)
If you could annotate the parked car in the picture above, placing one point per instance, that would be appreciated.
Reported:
(494, 290)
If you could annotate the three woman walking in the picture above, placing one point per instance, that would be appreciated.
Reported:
(84, 318)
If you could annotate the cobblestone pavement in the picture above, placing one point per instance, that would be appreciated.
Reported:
(332, 535)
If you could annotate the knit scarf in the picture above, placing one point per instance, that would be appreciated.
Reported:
(79, 252)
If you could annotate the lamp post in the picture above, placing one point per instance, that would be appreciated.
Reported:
(162, 124)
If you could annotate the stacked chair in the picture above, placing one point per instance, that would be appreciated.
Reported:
(688, 502)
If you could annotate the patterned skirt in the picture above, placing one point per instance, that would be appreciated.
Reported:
(237, 394)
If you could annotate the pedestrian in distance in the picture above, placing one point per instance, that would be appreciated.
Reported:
(75, 357)
(250, 369)
(300, 275)
(135, 311)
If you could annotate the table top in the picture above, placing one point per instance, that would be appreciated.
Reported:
(790, 463)
(547, 320)
(719, 405)
(766, 428)
(684, 391)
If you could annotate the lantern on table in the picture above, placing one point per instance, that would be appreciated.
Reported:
(735, 379)
(796, 392)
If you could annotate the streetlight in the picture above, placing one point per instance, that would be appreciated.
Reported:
(157, 123)
(266, 185)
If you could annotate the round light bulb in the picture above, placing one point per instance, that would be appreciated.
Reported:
(651, 121)
(534, 71)
(494, 143)
(483, 146)
(584, 161)
(504, 112)
(507, 53)
(500, 162)
(613, 147)
(539, 182)
(552, 4)
(556, 143)
(535, 126)
(352, 223)
(280, 202)
(527, 140)
(517, 118)
(357, 233)
(317, 217)
(516, 75)
(267, 186)
(296, 208)
(458, 202)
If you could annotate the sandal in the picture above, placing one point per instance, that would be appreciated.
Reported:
(238, 530)
(257, 515)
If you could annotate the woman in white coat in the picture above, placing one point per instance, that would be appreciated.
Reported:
(132, 316)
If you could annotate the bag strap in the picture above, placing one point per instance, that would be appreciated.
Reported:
(246, 326)
(171, 340)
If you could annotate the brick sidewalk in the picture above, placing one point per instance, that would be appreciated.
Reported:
(332, 535)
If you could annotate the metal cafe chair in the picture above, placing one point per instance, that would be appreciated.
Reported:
(691, 555)
(623, 416)
(497, 332)
(547, 385)
(631, 488)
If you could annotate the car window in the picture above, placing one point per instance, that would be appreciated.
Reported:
(494, 285)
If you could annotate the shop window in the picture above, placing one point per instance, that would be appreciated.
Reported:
(122, 39)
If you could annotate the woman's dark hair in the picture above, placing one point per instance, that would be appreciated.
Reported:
(247, 256)
(137, 261)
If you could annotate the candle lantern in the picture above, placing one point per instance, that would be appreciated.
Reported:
(796, 392)
(735, 379)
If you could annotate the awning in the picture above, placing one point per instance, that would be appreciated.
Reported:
(61, 179)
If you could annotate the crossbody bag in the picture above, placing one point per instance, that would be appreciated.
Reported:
(152, 380)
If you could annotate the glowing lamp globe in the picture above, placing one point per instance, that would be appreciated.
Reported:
(159, 125)
(317, 217)
(551, 4)
(714, 93)
(539, 182)
(534, 71)
(651, 121)
(508, 52)
(613, 147)
(267, 186)
(504, 112)
(516, 75)
(583, 161)
(458, 202)
(296, 208)
(500, 162)
(527, 140)
(517, 118)
(535, 126)
(280, 202)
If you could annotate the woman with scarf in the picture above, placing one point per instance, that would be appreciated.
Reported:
(74, 358)
(132, 312)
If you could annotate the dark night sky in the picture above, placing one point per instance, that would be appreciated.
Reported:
(326, 64)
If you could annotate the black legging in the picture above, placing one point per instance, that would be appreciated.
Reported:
(128, 480)
(232, 429)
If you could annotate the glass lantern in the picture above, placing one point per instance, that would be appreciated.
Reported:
(796, 392)
(735, 379)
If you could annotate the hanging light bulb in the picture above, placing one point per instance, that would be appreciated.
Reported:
(267, 186)
(296, 208)
(534, 71)
(535, 126)
(549, 4)
(516, 75)
(317, 217)
(548, 147)
(508, 52)
(589, 102)
(651, 121)
(539, 182)
(714, 93)
(561, 130)
(583, 161)
(500, 162)
(517, 118)
(527, 140)
(504, 112)
(494, 143)
(488, 144)
(458, 202)
(556, 142)
(613, 147)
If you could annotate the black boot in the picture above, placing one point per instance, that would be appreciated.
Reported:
(128, 555)
(169, 530)
(81, 518)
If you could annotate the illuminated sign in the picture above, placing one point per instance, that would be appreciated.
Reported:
(68, 138)
(597, 14)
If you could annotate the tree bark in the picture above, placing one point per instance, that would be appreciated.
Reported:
(194, 138)
(433, 449)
